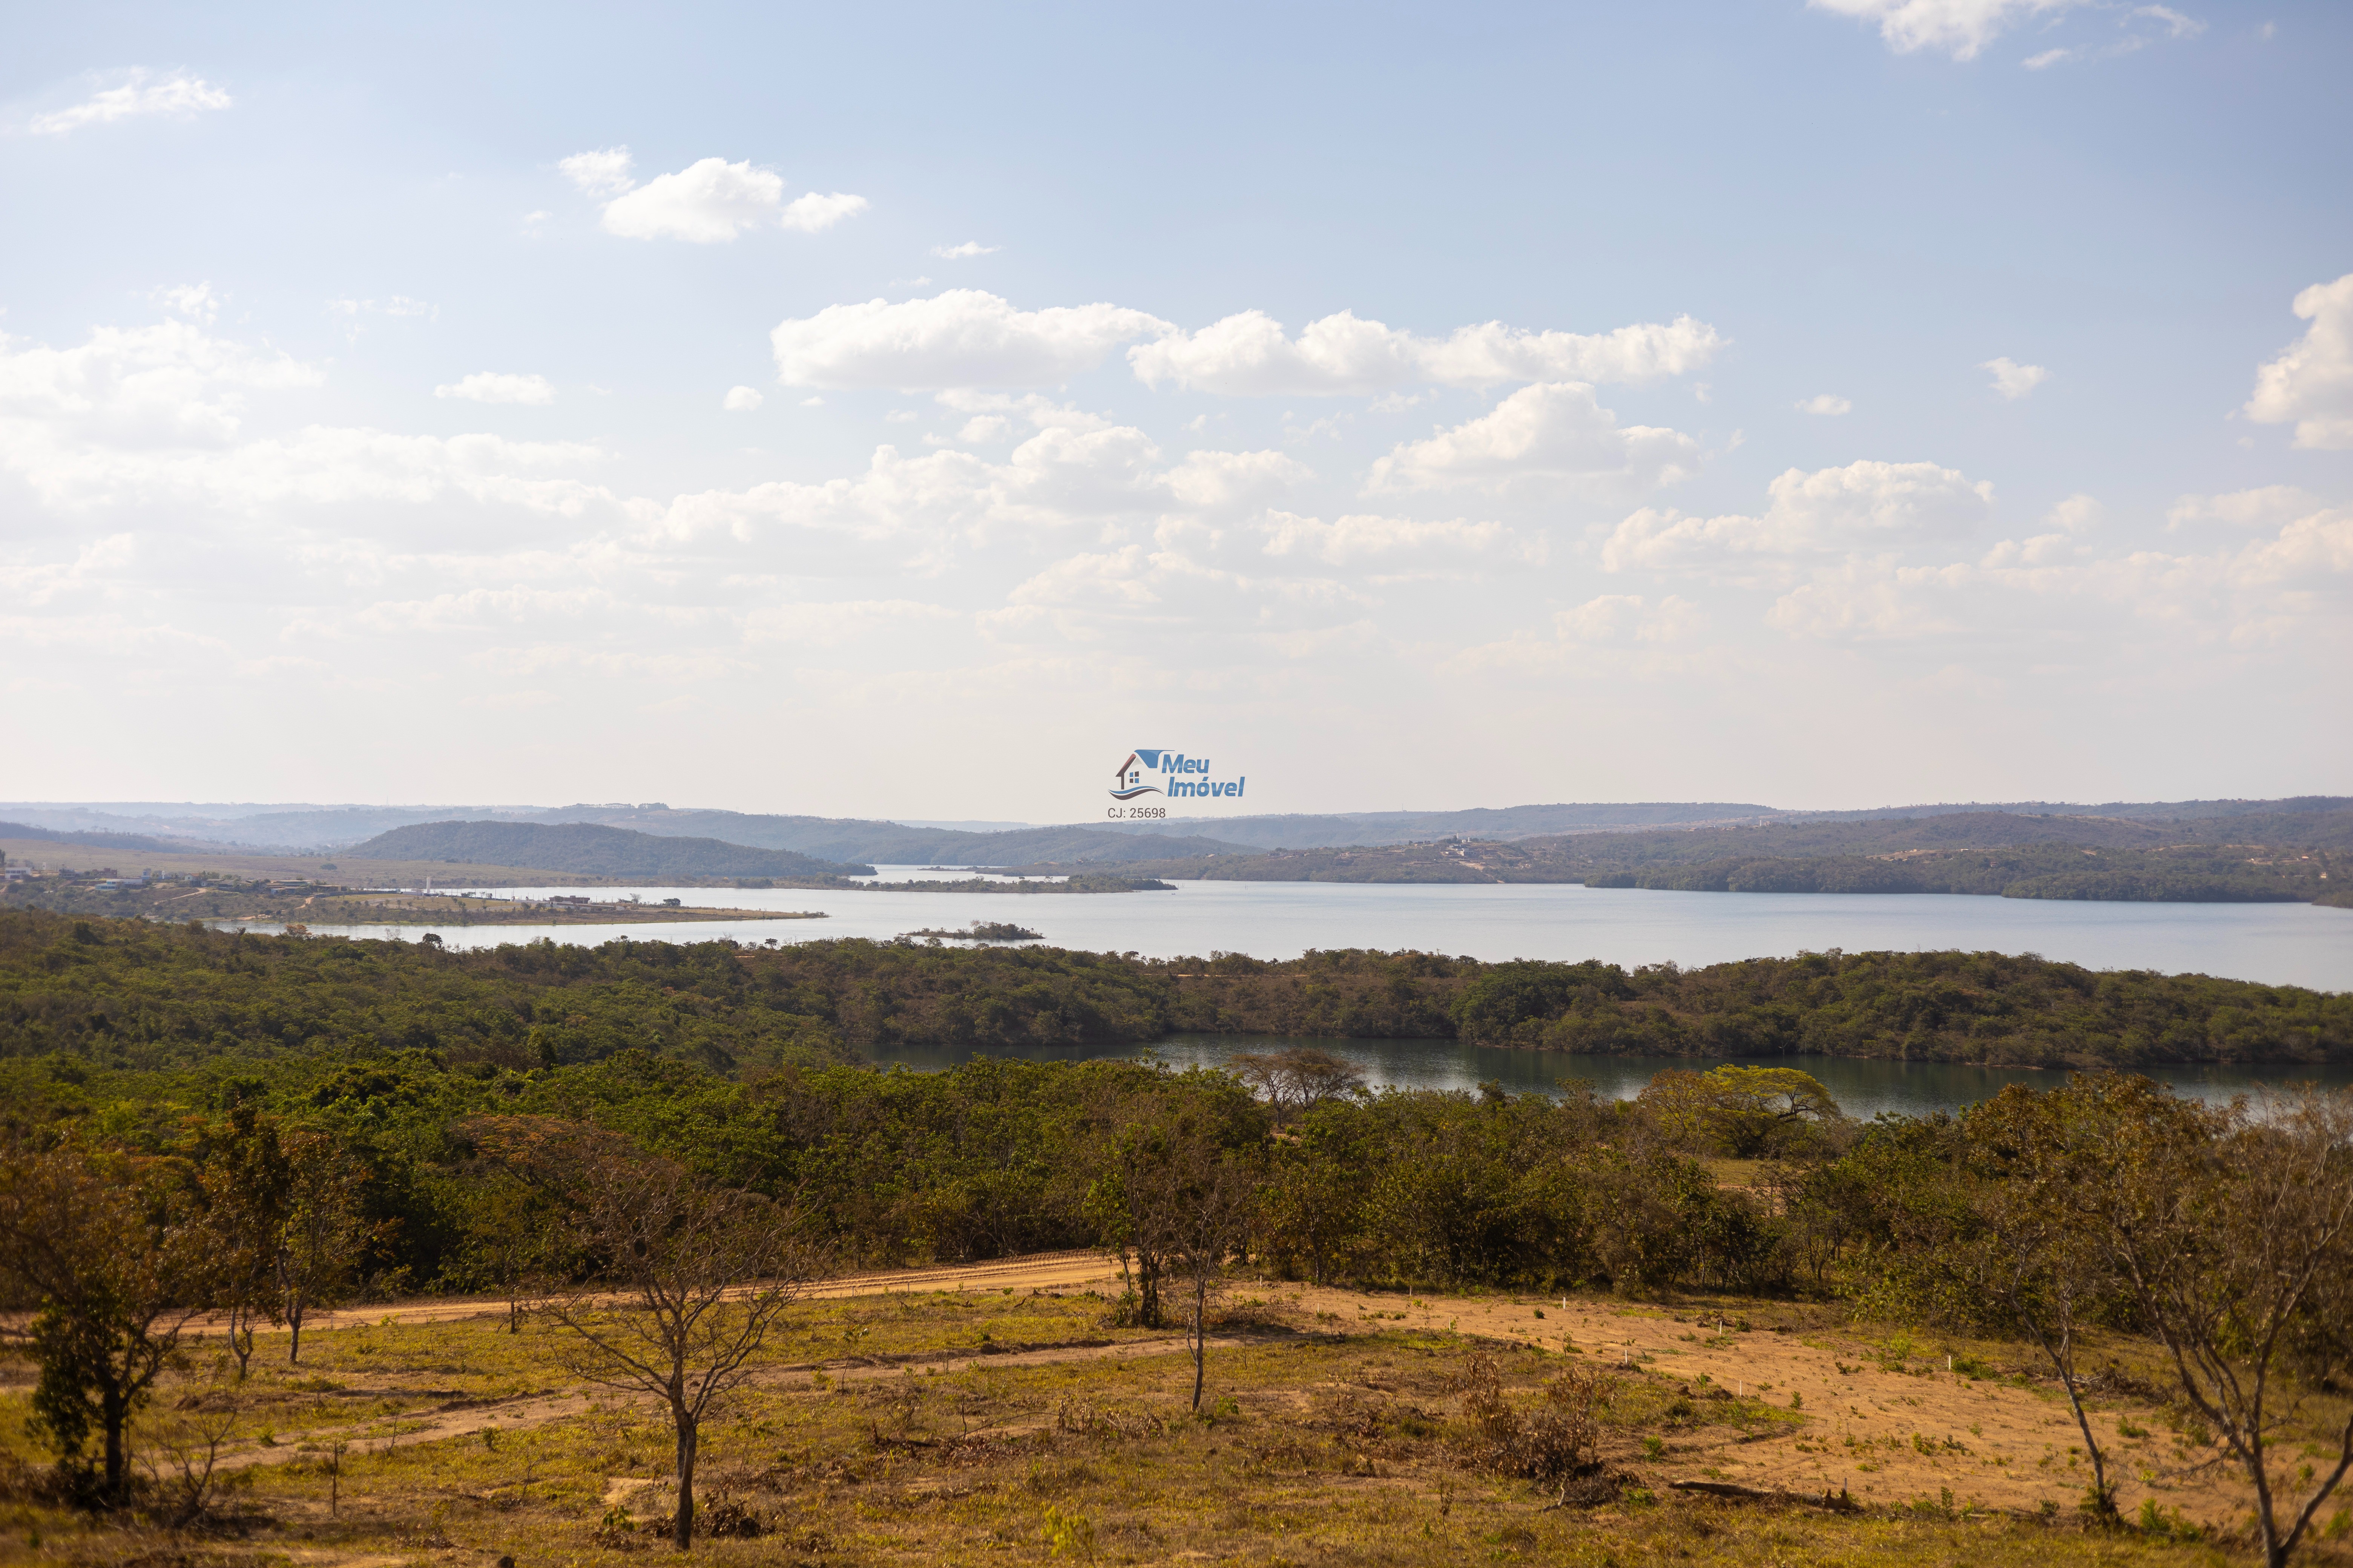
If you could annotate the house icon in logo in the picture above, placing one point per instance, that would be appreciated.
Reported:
(1127, 780)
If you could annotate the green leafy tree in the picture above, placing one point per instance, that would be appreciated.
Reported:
(105, 1251)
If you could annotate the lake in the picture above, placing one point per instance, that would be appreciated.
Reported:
(1862, 1088)
(2279, 944)
(2298, 944)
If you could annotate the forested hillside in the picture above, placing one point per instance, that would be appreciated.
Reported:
(2270, 856)
(588, 849)
(143, 995)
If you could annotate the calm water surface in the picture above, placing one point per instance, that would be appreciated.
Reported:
(1862, 1088)
(2280, 944)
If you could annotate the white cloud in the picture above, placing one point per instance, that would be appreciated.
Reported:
(1552, 434)
(970, 247)
(2244, 509)
(1828, 403)
(812, 213)
(1865, 504)
(2076, 514)
(196, 301)
(2013, 380)
(604, 173)
(2310, 383)
(2048, 58)
(1614, 617)
(742, 399)
(170, 384)
(1041, 412)
(1233, 480)
(709, 202)
(1248, 355)
(491, 386)
(2266, 592)
(962, 337)
(1392, 541)
(141, 94)
(1957, 27)
(156, 415)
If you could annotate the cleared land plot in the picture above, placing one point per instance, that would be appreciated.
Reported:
(998, 1414)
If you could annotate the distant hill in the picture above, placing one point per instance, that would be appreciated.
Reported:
(1370, 828)
(2277, 854)
(589, 849)
(851, 838)
(90, 840)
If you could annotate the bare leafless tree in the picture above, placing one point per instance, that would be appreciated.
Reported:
(181, 1453)
(687, 1277)
(1211, 1198)
(2237, 1250)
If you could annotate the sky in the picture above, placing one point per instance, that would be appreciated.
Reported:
(903, 410)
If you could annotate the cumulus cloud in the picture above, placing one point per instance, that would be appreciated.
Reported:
(1553, 433)
(2258, 508)
(742, 399)
(1616, 618)
(1865, 505)
(1960, 28)
(969, 248)
(492, 386)
(2012, 380)
(2076, 514)
(1826, 403)
(1388, 543)
(1230, 480)
(141, 94)
(709, 202)
(1249, 354)
(400, 306)
(605, 172)
(959, 338)
(2310, 383)
(196, 301)
(165, 384)
(2263, 592)
(812, 213)
(155, 415)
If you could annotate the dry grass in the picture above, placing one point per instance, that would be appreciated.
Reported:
(1018, 1427)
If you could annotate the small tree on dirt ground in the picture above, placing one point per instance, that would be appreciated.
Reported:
(1149, 1139)
(1296, 1080)
(246, 1183)
(1210, 1197)
(2038, 1162)
(2237, 1250)
(687, 1277)
(104, 1250)
(320, 1237)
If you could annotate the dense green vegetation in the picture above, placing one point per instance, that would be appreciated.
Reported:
(143, 995)
(590, 849)
(270, 1125)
